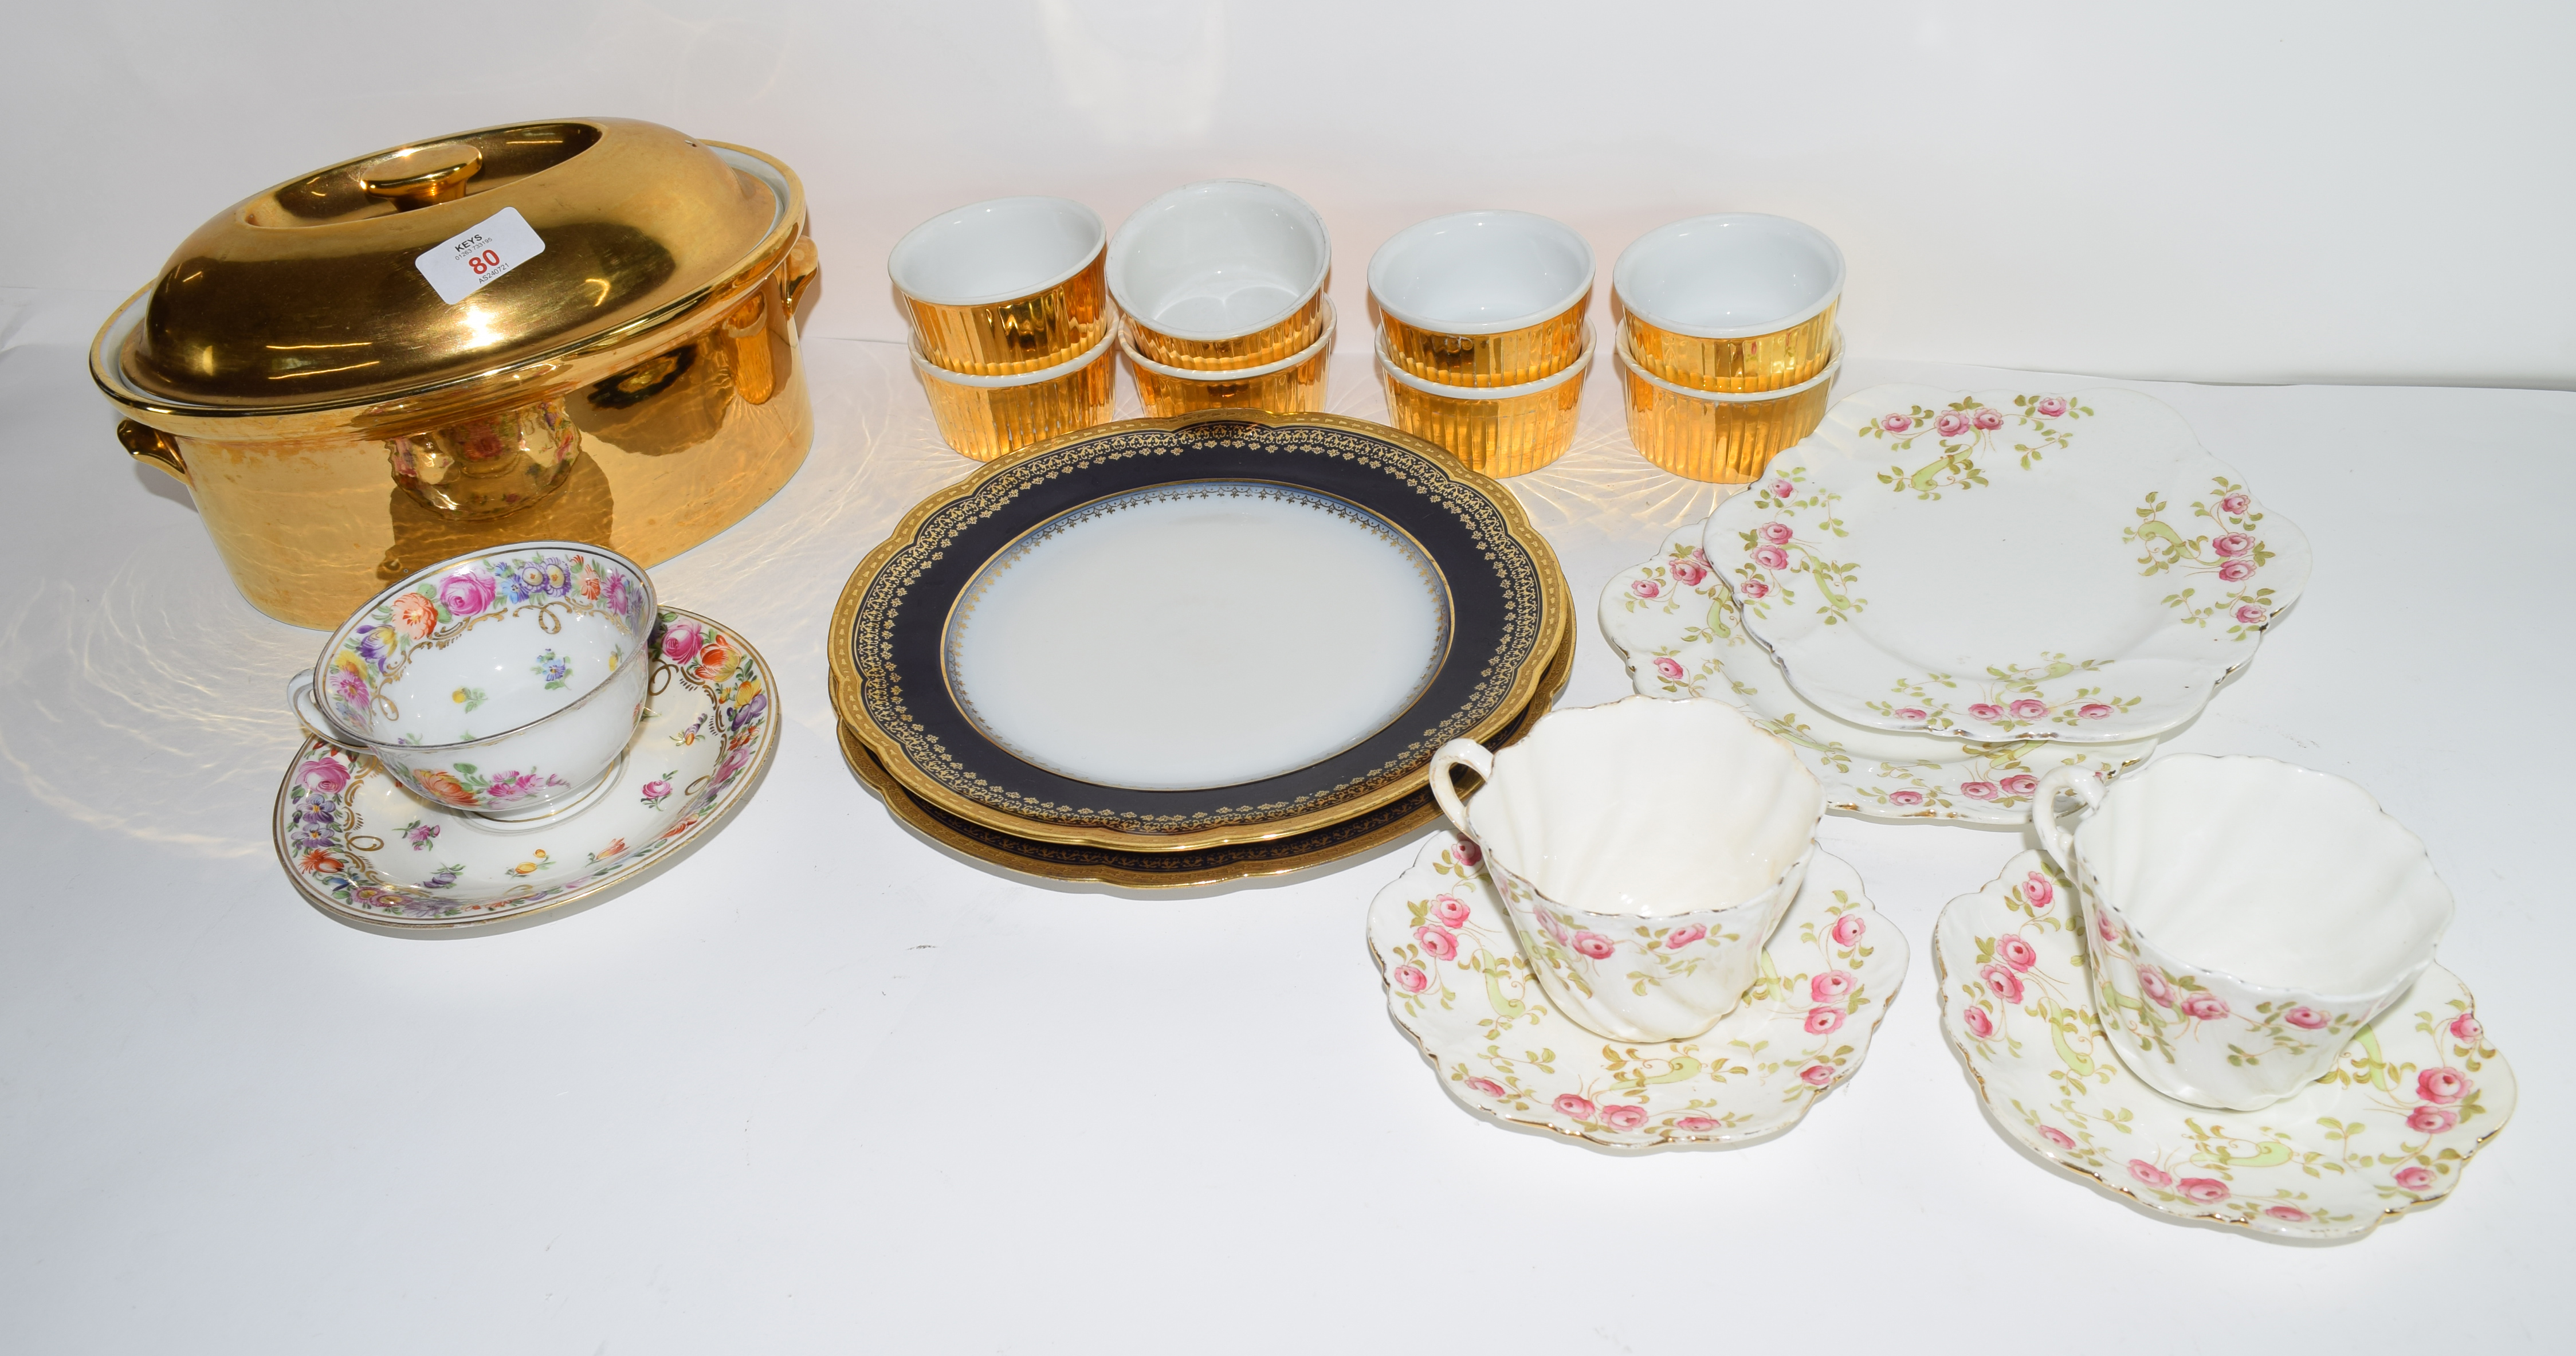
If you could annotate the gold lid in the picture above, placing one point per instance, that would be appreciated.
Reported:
(308, 296)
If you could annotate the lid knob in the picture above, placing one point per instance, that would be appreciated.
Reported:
(417, 176)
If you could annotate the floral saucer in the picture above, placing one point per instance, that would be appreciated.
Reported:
(2416, 1094)
(1459, 986)
(2006, 566)
(1673, 619)
(363, 847)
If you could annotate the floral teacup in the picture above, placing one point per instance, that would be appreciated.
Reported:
(1645, 851)
(503, 683)
(2245, 919)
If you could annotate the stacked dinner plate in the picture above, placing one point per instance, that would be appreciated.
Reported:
(1171, 652)
(1940, 595)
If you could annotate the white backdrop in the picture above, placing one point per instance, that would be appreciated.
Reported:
(821, 1088)
(2208, 191)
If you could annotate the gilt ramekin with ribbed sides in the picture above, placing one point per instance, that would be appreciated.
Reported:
(1292, 385)
(1482, 299)
(1721, 436)
(1737, 302)
(1005, 287)
(985, 417)
(1221, 276)
(1497, 430)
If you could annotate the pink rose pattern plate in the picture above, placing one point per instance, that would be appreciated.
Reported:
(2100, 505)
(362, 846)
(2415, 1096)
(1673, 619)
(1456, 982)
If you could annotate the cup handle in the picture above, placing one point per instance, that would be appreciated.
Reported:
(2085, 785)
(1478, 759)
(316, 721)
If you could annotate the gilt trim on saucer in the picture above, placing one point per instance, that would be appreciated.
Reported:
(1458, 985)
(2414, 1097)
(361, 846)
(1673, 620)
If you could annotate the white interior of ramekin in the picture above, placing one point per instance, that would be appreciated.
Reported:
(1219, 260)
(995, 251)
(1481, 272)
(1729, 276)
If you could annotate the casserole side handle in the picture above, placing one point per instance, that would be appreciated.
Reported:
(803, 269)
(150, 444)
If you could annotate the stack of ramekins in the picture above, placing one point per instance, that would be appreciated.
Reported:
(1221, 285)
(1482, 343)
(1727, 345)
(1011, 321)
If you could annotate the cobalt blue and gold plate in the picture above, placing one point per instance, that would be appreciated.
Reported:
(1172, 635)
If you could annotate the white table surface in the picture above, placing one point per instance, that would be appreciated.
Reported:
(823, 1087)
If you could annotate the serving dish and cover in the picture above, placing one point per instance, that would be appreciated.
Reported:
(2390, 1127)
(576, 330)
(2006, 565)
(1169, 635)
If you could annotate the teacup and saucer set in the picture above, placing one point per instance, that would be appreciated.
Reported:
(510, 731)
(2217, 997)
(1633, 939)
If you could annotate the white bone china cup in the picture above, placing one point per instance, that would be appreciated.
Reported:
(1645, 851)
(505, 683)
(2245, 918)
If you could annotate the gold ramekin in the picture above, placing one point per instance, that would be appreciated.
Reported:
(1726, 437)
(1006, 286)
(1761, 362)
(1221, 275)
(985, 417)
(1291, 385)
(1510, 358)
(1739, 302)
(1260, 348)
(1499, 431)
(1482, 299)
(1015, 337)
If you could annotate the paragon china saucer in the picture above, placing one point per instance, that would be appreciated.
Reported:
(1174, 634)
(360, 845)
(1396, 819)
(2416, 1094)
(1673, 619)
(2006, 566)
(1458, 985)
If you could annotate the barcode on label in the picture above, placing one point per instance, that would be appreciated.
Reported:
(462, 265)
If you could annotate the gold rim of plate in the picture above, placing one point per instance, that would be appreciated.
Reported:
(1179, 871)
(846, 685)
